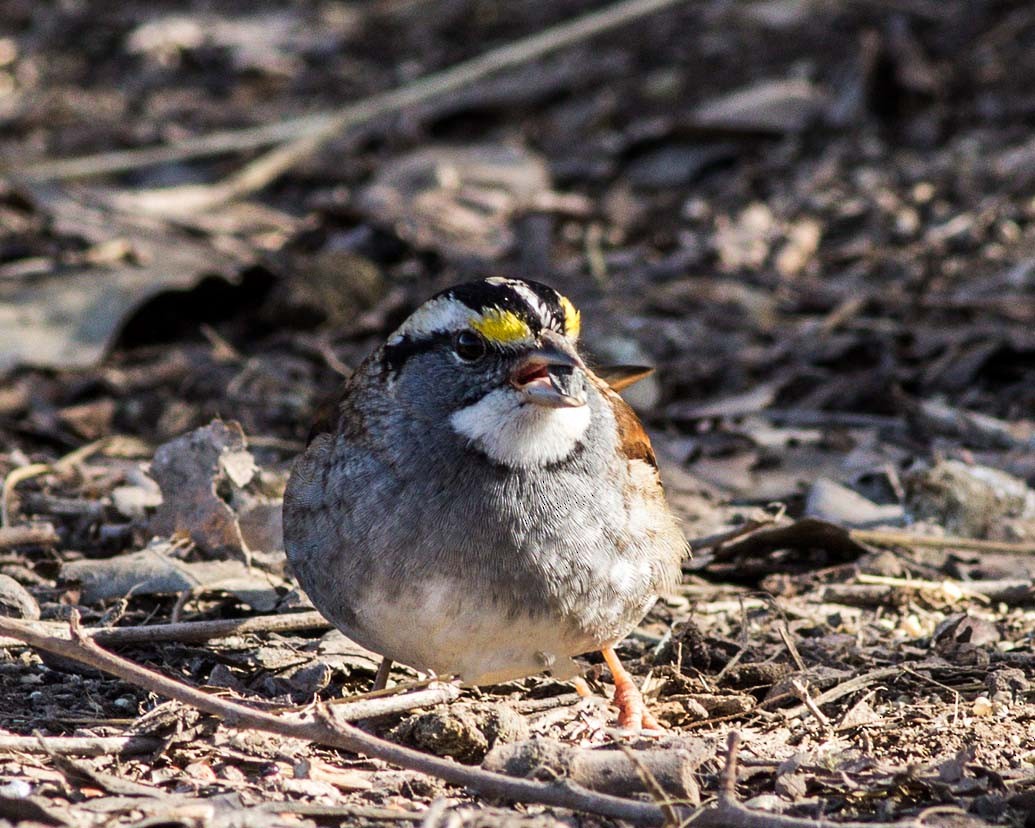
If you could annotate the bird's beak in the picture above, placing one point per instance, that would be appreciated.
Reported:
(551, 375)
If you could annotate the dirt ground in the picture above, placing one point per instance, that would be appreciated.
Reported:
(815, 218)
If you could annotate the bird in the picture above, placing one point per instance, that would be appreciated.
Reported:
(480, 503)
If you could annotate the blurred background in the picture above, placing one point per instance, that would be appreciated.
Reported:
(814, 217)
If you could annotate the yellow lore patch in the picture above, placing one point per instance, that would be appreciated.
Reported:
(572, 318)
(502, 326)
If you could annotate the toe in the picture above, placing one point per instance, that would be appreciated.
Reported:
(632, 711)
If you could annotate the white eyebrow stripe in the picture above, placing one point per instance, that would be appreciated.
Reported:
(441, 314)
(532, 300)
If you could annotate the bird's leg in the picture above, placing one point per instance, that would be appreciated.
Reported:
(632, 712)
(582, 687)
(384, 670)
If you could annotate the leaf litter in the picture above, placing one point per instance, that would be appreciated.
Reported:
(814, 221)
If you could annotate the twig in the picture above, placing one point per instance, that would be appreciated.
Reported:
(349, 813)
(326, 731)
(882, 537)
(728, 811)
(80, 745)
(196, 631)
(306, 135)
(801, 689)
(14, 477)
(40, 534)
(792, 648)
(953, 591)
(1013, 592)
(60, 466)
(842, 689)
(401, 703)
(188, 631)
(728, 780)
(719, 539)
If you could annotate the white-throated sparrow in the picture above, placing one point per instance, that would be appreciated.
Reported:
(481, 504)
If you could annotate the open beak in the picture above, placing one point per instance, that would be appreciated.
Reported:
(552, 375)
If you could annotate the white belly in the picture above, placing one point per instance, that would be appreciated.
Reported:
(445, 629)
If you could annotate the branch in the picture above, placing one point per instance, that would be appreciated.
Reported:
(325, 731)
(884, 537)
(40, 534)
(304, 136)
(80, 745)
(189, 631)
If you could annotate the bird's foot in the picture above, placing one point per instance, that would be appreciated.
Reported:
(632, 710)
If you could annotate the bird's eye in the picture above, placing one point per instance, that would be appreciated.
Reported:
(469, 346)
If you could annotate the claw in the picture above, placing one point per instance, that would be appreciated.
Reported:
(632, 711)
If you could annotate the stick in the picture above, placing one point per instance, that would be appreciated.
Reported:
(306, 135)
(324, 730)
(1014, 592)
(402, 703)
(189, 631)
(883, 537)
(40, 534)
(80, 745)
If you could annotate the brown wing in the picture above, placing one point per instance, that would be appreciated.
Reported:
(633, 440)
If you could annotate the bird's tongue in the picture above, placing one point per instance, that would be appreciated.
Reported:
(536, 375)
(554, 386)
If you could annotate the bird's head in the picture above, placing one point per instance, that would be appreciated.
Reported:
(497, 360)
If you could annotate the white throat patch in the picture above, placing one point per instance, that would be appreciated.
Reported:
(520, 434)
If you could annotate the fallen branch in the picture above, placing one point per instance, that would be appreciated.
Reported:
(1012, 592)
(840, 690)
(188, 631)
(40, 534)
(355, 711)
(304, 136)
(323, 729)
(882, 537)
(80, 745)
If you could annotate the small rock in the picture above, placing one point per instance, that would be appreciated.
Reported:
(744, 242)
(967, 500)
(966, 629)
(829, 500)
(1006, 683)
(982, 706)
(310, 679)
(792, 786)
(465, 732)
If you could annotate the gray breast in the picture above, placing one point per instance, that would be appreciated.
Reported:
(525, 543)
